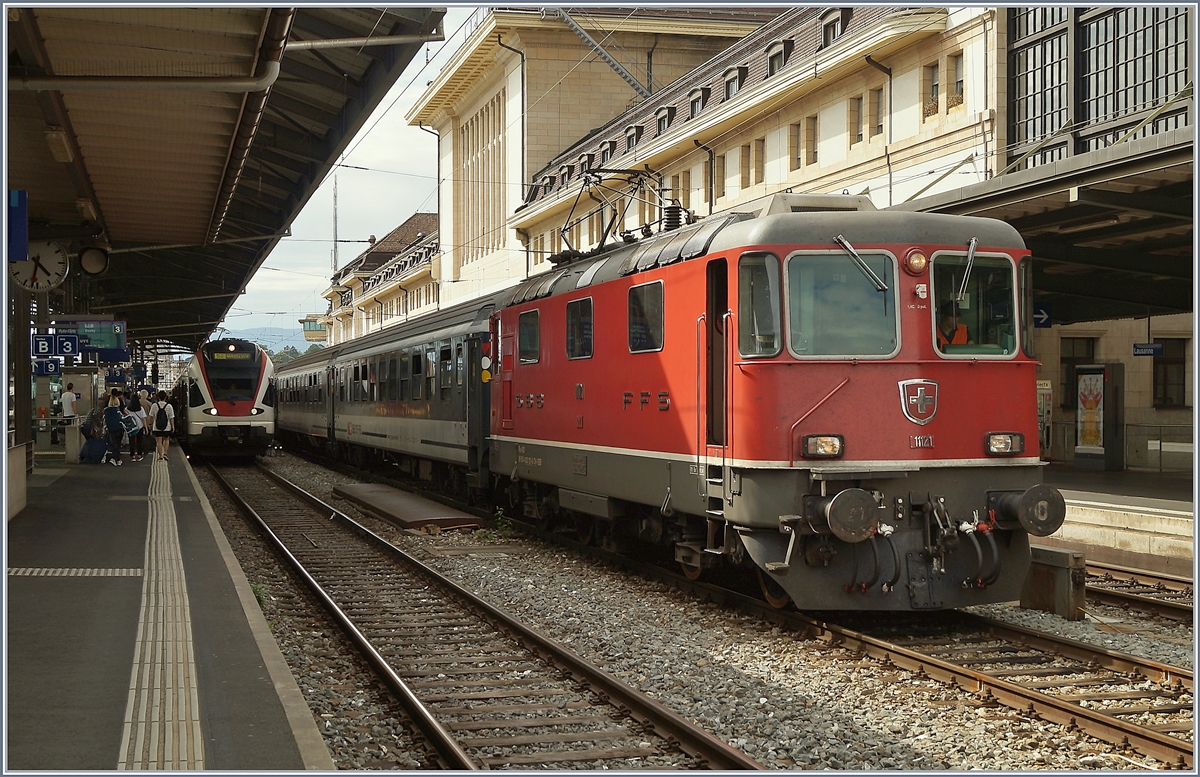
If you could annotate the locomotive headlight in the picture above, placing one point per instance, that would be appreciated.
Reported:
(1005, 443)
(916, 262)
(823, 446)
(212, 411)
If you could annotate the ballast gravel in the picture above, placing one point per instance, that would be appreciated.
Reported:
(788, 702)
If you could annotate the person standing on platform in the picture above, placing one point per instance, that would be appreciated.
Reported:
(163, 424)
(69, 398)
(137, 437)
(115, 430)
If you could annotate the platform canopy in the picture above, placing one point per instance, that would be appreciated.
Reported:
(186, 140)
(1110, 229)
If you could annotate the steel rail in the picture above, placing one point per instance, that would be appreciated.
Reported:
(651, 714)
(439, 737)
(1093, 722)
(1143, 601)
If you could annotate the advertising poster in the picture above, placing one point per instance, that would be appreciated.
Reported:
(1089, 414)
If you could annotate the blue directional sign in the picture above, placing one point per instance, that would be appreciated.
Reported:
(43, 346)
(114, 375)
(46, 367)
(1147, 349)
(139, 372)
(18, 225)
(112, 355)
(66, 345)
(1041, 315)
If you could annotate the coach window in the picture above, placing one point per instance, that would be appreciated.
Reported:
(579, 329)
(447, 370)
(646, 318)
(528, 338)
(430, 373)
(393, 379)
(460, 364)
(759, 294)
(975, 305)
(836, 307)
(356, 387)
(418, 372)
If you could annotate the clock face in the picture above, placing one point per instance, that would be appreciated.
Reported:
(45, 268)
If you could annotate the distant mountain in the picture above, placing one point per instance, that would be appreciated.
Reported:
(274, 339)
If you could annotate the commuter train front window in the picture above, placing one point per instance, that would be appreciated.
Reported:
(974, 304)
(759, 295)
(528, 338)
(646, 318)
(579, 328)
(836, 309)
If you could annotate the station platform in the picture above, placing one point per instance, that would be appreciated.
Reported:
(133, 638)
(1142, 520)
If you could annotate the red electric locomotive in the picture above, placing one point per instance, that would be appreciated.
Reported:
(838, 397)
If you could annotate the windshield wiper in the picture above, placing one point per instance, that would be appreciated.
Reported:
(962, 290)
(860, 264)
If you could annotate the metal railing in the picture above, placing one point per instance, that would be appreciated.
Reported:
(1163, 447)
(1156, 447)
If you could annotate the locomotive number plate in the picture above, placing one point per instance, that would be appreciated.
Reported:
(920, 441)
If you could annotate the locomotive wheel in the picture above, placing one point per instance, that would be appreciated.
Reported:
(585, 527)
(773, 592)
(691, 572)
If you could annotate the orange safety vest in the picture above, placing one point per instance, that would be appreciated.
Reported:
(960, 336)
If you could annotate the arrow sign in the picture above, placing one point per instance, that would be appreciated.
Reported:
(46, 367)
(1041, 315)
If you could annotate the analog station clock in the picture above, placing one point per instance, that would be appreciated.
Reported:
(45, 268)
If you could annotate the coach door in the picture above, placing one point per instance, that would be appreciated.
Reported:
(507, 358)
(712, 330)
(717, 318)
(330, 391)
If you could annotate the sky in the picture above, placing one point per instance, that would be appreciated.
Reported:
(401, 181)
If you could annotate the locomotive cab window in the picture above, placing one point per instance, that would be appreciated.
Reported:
(758, 305)
(835, 307)
(579, 328)
(528, 338)
(195, 398)
(975, 305)
(646, 318)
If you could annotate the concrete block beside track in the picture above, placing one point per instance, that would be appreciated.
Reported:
(402, 508)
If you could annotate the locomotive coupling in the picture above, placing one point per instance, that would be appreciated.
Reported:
(852, 515)
(1041, 510)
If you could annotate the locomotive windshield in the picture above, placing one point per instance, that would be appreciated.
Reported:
(232, 370)
(836, 310)
(982, 320)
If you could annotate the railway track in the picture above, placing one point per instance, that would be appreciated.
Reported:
(483, 690)
(1138, 589)
(1117, 698)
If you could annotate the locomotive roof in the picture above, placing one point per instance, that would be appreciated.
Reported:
(780, 219)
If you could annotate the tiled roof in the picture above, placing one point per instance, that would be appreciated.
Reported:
(392, 243)
(801, 25)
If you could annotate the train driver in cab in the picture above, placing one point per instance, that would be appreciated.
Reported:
(950, 331)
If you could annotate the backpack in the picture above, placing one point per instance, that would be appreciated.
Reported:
(161, 423)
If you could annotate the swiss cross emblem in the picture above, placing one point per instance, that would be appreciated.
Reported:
(918, 400)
